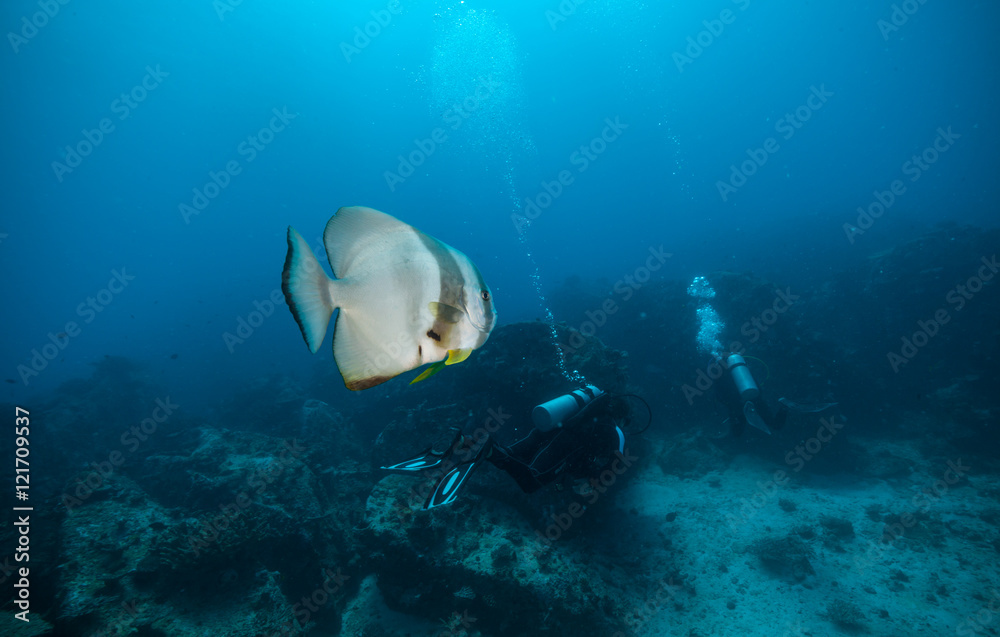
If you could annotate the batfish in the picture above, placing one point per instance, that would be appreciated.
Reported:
(405, 298)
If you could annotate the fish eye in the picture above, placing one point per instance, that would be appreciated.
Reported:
(486, 295)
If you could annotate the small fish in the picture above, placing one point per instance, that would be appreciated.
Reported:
(173, 357)
(405, 298)
(10, 380)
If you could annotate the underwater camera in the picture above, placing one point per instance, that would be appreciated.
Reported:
(553, 413)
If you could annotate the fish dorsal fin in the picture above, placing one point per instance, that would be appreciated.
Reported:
(356, 236)
(445, 312)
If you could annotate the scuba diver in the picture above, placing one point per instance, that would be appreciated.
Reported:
(578, 434)
(736, 389)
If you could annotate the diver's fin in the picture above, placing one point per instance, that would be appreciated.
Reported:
(807, 408)
(448, 486)
(426, 460)
(750, 411)
(431, 457)
(446, 440)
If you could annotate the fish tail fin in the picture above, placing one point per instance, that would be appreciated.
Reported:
(307, 290)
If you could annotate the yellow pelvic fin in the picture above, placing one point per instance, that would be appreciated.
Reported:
(457, 355)
(427, 373)
(454, 356)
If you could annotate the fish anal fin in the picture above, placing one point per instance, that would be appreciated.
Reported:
(360, 353)
(365, 383)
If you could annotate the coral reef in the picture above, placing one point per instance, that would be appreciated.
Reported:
(845, 614)
(269, 516)
(786, 556)
(273, 512)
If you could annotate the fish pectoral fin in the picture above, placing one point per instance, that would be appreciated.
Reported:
(430, 371)
(457, 355)
(444, 312)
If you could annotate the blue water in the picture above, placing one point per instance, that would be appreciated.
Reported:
(865, 98)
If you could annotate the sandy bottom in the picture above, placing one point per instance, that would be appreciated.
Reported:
(939, 576)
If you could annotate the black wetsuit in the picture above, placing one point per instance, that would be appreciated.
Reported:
(580, 448)
(729, 396)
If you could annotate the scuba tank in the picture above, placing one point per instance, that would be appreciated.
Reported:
(553, 413)
(742, 377)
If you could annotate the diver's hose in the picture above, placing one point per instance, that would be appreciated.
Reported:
(649, 410)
